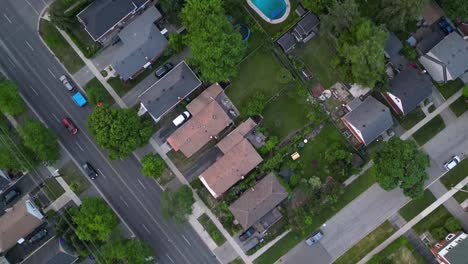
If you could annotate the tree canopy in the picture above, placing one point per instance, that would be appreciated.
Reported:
(396, 14)
(171, 8)
(40, 140)
(216, 46)
(123, 251)
(10, 100)
(456, 9)
(119, 131)
(401, 164)
(95, 220)
(177, 205)
(152, 165)
(318, 6)
(340, 16)
(360, 54)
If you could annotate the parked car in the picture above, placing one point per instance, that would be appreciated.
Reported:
(179, 120)
(445, 26)
(10, 196)
(163, 70)
(314, 238)
(69, 125)
(79, 99)
(90, 171)
(248, 233)
(66, 83)
(452, 163)
(38, 236)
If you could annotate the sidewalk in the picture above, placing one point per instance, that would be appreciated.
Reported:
(65, 198)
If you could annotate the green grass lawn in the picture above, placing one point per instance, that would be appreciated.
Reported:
(412, 118)
(449, 88)
(399, 251)
(286, 113)
(435, 219)
(60, 47)
(257, 74)
(96, 84)
(52, 189)
(460, 106)
(429, 130)
(413, 208)
(317, 54)
(74, 178)
(372, 240)
(81, 38)
(210, 227)
(454, 176)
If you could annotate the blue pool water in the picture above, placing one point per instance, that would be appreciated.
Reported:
(273, 9)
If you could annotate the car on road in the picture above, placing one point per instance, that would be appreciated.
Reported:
(163, 70)
(314, 238)
(69, 125)
(180, 119)
(38, 236)
(10, 196)
(248, 233)
(90, 170)
(66, 83)
(79, 99)
(452, 163)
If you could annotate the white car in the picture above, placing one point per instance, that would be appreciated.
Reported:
(66, 83)
(452, 163)
(179, 120)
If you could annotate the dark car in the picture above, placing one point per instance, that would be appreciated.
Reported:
(90, 170)
(10, 196)
(38, 236)
(69, 125)
(163, 70)
(248, 233)
(314, 238)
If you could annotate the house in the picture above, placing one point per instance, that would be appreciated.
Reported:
(303, 31)
(18, 222)
(452, 250)
(238, 159)
(102, 19)
(448, 60)
(258, 201)
(141, 45)
(409, 88)
(367, 119)
(287, 42)
(207, 121)
(167, 92)
(51, 252)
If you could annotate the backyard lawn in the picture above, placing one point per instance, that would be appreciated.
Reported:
(72, 175)
(429, 130)
(460, 106)
(372, 240)
(413, 208)
(455, 176)
(59, 46)
(399, 251)
(412, 118)
(212, 230)
(449, 88)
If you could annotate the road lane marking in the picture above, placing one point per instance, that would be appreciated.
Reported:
(147, 230)
(142, 185)
(170, 258)
(100, 173)
(56, 118)
(12, 62)
(32, 7)
(29, 45)
(51, 73)
(123, 200)
(186, 240)
(34, 90)
(79, 146)
(7, 18)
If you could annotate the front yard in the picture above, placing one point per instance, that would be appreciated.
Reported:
(412, 118)
(73, 177)
(413, 208)
(454, 176)
(399, 251)
(460, 106)
(429, 130)
(449, 88)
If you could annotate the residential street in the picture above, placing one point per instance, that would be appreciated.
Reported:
(27, 61)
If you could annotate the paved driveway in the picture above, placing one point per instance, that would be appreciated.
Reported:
(303, 254)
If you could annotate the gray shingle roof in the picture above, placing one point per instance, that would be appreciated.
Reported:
(286, 42)
(167, 92)
(307, 24)
(411, 87)
(102, 15)
(458, 254)
(392, 47)
(142, 42)
(52, 252)
(371, 118)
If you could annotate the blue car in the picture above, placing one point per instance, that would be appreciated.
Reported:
(79, 99)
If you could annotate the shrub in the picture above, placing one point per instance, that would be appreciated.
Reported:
(439, 233)
(452, 225)
(255, 105)
(270, 144)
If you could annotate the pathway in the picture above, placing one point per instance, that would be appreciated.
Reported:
(447, 115)
(66, 197)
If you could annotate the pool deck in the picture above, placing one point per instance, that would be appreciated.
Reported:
(267, 19)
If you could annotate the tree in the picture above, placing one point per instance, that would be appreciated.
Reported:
(123, 251)
(340, 16)
(360, 54)
(255, 105)
(396, 14)
(95, 220)
(119, 131)
(40, 140)
(452, 225)
(401, 163)
(456, 9)
(311, 185)
(171, 8)
(176, 44)
(318, 6)
(152, 165)
(216, 46)
(10, 100)
(177, 205)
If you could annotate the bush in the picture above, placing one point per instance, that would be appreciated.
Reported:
(255, 105)
(152, 165)
(270, 144)
(176, 44)
(439, 233)
(452, 225)
(283, 76)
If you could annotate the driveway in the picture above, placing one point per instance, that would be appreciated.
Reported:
(303, 254)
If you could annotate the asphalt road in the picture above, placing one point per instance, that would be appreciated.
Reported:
(27, 61)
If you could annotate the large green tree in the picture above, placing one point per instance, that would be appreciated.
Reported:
(360, 54)
(456, 9)
(40, 140)
(177, 205)
(125, 251)
(318, 6)
(119, 131)
(95, 220)
(10, 100)
(340, 16)
(171, 8)
(216, 46)
(152, 165)
(401, 164)
(396, 14)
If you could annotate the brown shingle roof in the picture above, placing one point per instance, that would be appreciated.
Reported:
(230, 168)
(204, 98)
(258, 201)
(236, 135)
(17, 223)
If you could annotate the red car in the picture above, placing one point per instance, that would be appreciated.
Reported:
(69, 125)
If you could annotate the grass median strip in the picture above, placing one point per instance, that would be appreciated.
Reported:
(210, 227)
(413, 208)
(429, 130)
(399, 251)
(454, 176)
(460, 106)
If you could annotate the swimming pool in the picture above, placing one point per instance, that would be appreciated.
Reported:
(272, 11)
